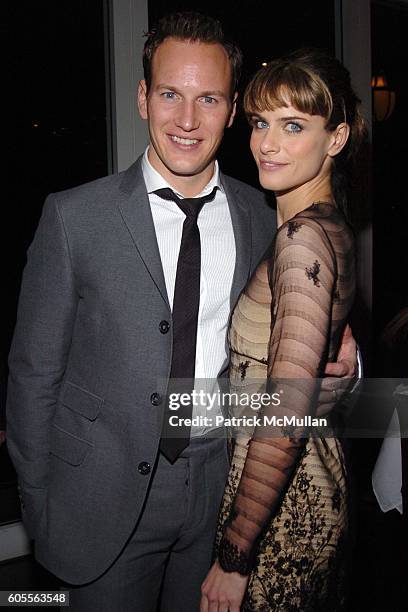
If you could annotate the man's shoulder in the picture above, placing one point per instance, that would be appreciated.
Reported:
(98, 192)
(255, 199)
(243, 188)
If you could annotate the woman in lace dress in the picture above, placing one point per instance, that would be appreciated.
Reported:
(283, 521)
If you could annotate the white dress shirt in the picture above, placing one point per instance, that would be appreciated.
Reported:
(217, 270)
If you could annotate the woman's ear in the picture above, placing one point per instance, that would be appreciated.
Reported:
(339, 138)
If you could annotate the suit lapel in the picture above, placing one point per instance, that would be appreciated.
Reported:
(135, 209)
(241, 223)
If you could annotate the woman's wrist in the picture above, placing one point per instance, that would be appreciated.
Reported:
(232, 559)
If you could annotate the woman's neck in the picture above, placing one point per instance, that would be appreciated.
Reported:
(291, 202)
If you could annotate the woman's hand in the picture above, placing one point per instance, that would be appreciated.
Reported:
(339, 376)
(346, 364)
(222, 591)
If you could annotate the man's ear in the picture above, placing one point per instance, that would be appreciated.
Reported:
(339, 138)
(142, 99)
(233, 110)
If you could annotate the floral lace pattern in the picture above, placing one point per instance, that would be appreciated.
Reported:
(312, 273)
(243, 368)
(300, 565)
(293, 226)
(232, 559)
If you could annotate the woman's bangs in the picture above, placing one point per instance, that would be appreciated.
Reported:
(288, 86)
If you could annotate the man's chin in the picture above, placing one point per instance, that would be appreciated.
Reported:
(187, 170)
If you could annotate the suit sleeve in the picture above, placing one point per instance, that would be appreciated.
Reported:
(38, 357)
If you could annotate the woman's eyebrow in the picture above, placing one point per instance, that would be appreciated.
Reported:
(293, 117)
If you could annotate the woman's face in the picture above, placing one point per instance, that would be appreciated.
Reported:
(290, 148)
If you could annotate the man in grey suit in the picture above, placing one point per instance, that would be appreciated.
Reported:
(92, 350)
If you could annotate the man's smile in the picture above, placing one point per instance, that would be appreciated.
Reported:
(183, 141)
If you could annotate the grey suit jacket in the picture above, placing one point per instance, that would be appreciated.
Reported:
(89, 364)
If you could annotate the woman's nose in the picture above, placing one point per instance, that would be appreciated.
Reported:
(270, 142)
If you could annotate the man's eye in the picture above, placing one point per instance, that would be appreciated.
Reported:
(169, 95)
(293, 127)
(209, 100)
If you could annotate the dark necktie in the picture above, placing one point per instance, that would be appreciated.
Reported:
(186, 303)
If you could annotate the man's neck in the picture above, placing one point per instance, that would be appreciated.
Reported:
(188, 186)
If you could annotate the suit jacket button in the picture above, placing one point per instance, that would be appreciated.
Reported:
(144, 468)
(164, 327)
(155, 399)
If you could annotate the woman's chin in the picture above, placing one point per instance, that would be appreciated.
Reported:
(269, 184)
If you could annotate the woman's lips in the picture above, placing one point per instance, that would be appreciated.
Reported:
(271, 166)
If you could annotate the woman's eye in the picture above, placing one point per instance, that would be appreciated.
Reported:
(293, 127)
(258, 124)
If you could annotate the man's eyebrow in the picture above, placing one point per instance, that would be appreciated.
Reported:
(214, 92)
(210, 92)
(166, 86)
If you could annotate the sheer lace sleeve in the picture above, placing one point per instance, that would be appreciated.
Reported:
(303, 281)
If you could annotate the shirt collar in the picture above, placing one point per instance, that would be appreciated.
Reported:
(154, 179)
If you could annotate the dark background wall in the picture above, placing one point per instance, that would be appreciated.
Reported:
(389, 27)
(55, 126)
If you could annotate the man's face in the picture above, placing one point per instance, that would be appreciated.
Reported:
(187, 108)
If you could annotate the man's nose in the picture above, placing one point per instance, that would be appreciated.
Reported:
(187, 117)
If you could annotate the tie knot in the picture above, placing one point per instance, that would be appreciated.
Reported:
(190, 206)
